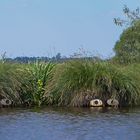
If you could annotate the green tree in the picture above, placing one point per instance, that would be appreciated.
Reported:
(127, 48)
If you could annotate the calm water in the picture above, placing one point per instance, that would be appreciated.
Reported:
(70, 124)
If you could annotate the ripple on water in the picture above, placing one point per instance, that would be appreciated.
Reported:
(70, 124)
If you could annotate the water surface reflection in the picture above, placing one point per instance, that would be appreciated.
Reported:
(53, 123)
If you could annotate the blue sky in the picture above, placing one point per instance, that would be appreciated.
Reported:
(46, 27)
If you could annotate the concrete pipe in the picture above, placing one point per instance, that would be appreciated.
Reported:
(112, 102)
(5, 102)
(96, 103)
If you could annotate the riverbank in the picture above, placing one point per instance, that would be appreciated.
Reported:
(72, 83)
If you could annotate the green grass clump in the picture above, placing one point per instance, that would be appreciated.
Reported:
(133, 71)
(25, 84)
(10, 83)
(76, 82)
(39, 76)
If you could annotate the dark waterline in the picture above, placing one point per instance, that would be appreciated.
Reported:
(70, 124)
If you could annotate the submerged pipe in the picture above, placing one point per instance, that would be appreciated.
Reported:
(5, 102)
(96, 103)
(113, 102)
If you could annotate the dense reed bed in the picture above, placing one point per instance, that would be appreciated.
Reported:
(72, 83)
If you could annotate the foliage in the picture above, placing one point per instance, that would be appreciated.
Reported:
(40, 74)
(73, 83)
(127, 49)
(9, 82)
(25, 59)
(132, 16)
(82, 80)
(25, 84)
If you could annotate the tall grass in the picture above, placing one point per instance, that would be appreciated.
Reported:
(9, 82)
(73, 83)
(39, 75)
(80, 81)
(25, 84)
(133, 71)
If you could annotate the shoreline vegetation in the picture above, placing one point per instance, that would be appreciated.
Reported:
(71, 83)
